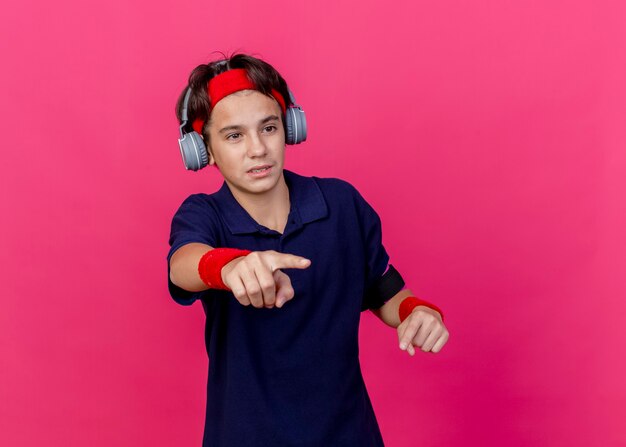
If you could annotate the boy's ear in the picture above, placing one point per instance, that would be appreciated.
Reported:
(208, 150)
(210, 154)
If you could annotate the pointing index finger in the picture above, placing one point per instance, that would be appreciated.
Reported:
(287, 261)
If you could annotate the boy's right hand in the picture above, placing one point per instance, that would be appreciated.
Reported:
(256, 278)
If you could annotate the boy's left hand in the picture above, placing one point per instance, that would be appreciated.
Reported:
(422, 328)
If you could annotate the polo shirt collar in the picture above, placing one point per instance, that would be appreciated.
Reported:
(307, 205)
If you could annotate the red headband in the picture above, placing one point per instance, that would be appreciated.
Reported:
(227, 83)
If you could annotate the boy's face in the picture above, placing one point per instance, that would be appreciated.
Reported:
(247, 141)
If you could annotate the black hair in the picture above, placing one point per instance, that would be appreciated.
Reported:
(263, 75)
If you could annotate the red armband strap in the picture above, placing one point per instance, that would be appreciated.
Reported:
(409, 303)
(212, 262)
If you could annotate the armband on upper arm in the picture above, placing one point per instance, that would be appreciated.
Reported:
(385, 288)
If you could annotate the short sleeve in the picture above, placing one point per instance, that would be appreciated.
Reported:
(376, 257)
(194, 221)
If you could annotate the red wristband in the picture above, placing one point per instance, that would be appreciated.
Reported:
(212, 262)
(409, 303)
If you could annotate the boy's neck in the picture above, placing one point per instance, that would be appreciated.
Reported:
(270, 209)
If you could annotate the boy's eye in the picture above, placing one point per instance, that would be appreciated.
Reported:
(270, 128)
(233, 136)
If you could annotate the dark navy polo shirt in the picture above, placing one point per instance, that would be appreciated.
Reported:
(289, 376)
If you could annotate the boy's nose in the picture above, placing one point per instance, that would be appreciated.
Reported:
(256, 148)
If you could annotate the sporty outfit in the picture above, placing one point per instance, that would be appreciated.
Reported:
(289, 376)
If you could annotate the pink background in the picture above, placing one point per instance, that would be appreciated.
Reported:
(489, 135)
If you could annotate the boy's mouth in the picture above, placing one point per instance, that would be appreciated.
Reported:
(259, 169)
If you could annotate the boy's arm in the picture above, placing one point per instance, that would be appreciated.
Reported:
(388, 313)
(184, 266)
(423, 327)
(254, 279)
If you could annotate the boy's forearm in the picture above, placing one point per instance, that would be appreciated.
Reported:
(184, 267)
(389, 312)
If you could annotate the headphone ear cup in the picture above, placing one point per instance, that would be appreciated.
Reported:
(295, 125)
(193, 151)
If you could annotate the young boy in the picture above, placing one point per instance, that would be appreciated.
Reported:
(283, 265)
